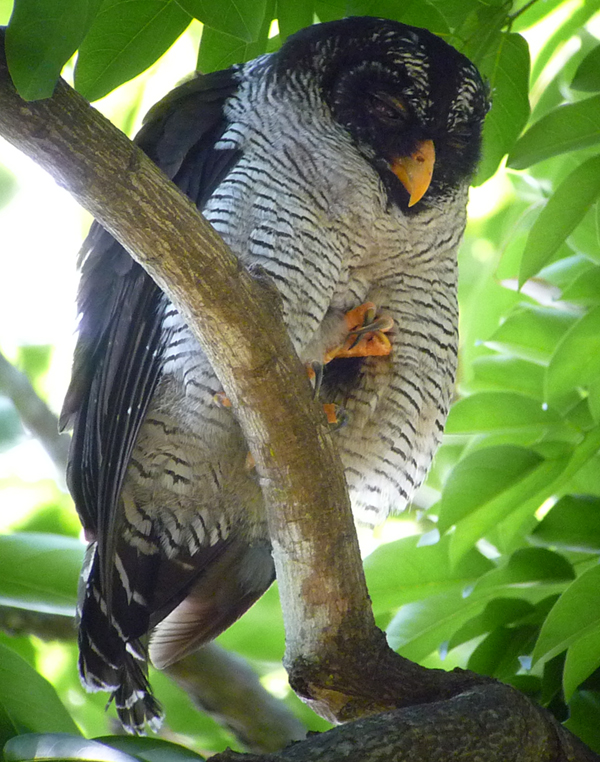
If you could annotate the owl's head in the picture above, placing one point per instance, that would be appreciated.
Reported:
(412, 104)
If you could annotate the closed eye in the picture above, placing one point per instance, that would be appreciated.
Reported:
(387, 107)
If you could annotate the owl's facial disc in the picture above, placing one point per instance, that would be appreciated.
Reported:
(415, 171)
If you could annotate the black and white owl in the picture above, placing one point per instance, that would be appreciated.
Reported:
(340, 165)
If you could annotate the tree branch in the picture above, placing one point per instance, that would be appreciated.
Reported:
(35, 414)
(337, 659)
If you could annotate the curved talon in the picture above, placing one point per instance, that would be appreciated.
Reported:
(366, 334)
(336, 415)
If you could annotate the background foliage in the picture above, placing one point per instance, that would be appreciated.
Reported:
(496, 568)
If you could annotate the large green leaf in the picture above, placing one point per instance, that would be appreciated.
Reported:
(575, 614)
(218, 50)
(502, 372)
(41, 37)
(28, 703)
(404, 571)
(563, 212)
(587, 76)
(507, 69)
(126, 37)
(531, 333)
(40, 571)
(576, 361)
(480, 477)
(584, 718)
(566, 128)
(498, 654)
(238, 18)
(573, 524)
(501, 411)
(498, 612)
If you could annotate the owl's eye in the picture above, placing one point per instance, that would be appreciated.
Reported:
(386, 107)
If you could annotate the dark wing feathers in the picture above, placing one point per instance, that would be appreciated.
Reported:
(118, 356)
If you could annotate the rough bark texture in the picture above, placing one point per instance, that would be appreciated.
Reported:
(336, 657)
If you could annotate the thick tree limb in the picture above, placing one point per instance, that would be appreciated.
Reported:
(336, 657)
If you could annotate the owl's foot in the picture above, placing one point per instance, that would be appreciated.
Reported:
(366, 334)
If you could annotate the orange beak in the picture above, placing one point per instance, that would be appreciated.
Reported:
(415, 171)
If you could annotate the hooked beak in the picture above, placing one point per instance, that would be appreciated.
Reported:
(415, 171)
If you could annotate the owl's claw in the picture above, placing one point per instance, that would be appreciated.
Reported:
(366, 334)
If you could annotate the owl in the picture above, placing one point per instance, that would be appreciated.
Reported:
(339, 166)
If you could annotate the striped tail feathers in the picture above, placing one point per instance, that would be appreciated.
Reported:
(109, 662)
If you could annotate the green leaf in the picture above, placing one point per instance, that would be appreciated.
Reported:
(293, 15)
(219, 50)
(125, 39)
(563, 212)
(575, 614)
(507, 69)
(500, 412)
(576, 360)
(585, 289)
(498, 654)
(566, 128)
(583, 658)
(587, 76)
(41, 37)
(61, 746)
(531, 333)
(150, 749)
(507, 373)
(572, 524)
(526, 567)
(40, 571)
(498, 612)
(584, 718)
(480, 477)
(237, 18)
(28, 703)
(404, 571)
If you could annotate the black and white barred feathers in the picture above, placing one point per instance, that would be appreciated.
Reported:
(314, 163)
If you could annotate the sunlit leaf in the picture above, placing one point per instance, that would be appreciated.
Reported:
(500, 411)
(531, 333)
(404, 571)
(576, 613)
(573, 523)
(40, 571)
(563, 212)
(59, 747)
(482, 476)
(41, 37)
(238, 18)
(508, 72)
(585, 289)
(28, 703)
(508, 373)
(126, 37)
(566, 128)
(576, 361)
(587, 76)
(8, 186)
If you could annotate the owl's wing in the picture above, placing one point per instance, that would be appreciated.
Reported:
(118, 357)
